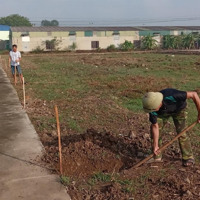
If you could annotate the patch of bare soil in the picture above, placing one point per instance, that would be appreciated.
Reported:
(92, 152)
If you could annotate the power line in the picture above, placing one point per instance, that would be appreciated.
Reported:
(120, 21)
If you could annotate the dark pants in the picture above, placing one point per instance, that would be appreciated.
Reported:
(180, 124)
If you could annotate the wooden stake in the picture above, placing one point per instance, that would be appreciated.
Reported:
(24, 94)
(15, 75)
(165, 146)
(59, 138)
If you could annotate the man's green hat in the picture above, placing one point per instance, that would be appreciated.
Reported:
(151, 101)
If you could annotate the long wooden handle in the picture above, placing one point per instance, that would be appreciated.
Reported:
(59, 139)
(166, 145)
(24, 93)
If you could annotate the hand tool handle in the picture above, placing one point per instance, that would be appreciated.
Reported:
(166, 145)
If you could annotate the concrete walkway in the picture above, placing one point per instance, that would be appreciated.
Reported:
(21, 176)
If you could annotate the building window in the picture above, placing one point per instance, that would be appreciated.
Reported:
(25, 34)
(95, 44)
(195, 33)
(72, 38)
(116, 35)
(156, 34)
(88, 33)
(72, 33)
(25, 39)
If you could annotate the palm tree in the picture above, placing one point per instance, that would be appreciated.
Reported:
(188, 41)
(178, 42)
(148, 42)
(169, 42)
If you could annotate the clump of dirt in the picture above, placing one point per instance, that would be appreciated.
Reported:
(94, 151)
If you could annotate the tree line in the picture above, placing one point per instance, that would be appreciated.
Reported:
(18, 20)
(184, 41)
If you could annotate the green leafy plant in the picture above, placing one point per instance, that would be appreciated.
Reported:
(73, 46)
(111, 47)
(126, 46)
(49, 23)
(65, 180)
(38, 49)
(188, 41)
(15, 20)
(102, 177)
(99, 177)
(148, 42)
(169, 42)
(52, 44)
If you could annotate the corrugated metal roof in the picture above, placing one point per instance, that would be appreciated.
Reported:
(168, 28)
(55, 29)
(120, 28)
(4, 28)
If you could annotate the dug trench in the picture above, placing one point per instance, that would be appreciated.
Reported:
(92, 151)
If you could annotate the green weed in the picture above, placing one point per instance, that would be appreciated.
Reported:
(65, 180)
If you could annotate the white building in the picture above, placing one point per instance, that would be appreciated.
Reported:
(84, 38)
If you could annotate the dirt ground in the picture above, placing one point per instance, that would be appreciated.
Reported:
(91, 156)
(97, 162)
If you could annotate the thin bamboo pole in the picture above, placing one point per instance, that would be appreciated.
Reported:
(24, 94)
(15, 75)
(59, 139)
(166, 145)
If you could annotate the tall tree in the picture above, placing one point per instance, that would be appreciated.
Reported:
(45, 23)
(49, 23)
(54, 23)
(15, 20)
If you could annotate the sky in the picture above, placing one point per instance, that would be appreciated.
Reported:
(107, 12)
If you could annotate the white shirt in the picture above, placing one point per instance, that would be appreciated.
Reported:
(14, 56)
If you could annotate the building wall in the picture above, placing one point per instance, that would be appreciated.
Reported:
(151, 33)
(4, 35)
(185, 32)
(105, 38)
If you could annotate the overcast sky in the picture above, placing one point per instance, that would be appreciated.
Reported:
(107, 12)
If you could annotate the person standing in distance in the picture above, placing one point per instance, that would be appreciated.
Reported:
(14, 62)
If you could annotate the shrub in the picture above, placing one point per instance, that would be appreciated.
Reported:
(126, 46)
(65, 180)
(73, 46)
(111, 47)
(38, 49)
(148, 42)
(52, 44)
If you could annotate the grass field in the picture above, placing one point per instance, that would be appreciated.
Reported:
(98, 89)
(103, 92)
